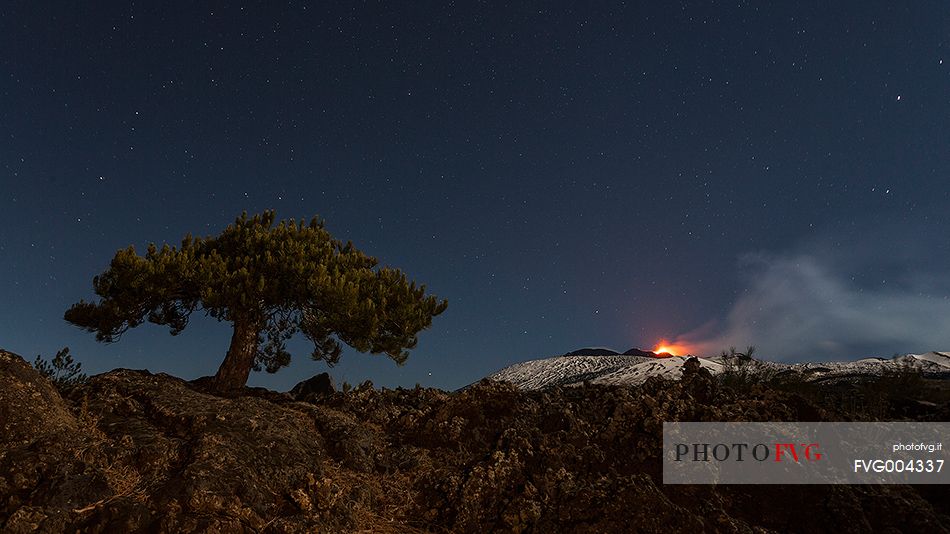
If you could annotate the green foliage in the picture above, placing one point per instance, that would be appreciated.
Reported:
(63, 371)
(276, 279)
(735, 356)
(740, 370)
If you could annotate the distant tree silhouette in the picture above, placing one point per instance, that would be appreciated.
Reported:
(740, 356)
(62, 369)
(269, 282)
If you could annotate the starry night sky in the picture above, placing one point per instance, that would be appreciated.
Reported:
(564, 174)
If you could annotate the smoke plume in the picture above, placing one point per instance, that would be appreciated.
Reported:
(820, 304)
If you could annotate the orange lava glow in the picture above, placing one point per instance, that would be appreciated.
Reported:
(673, 349)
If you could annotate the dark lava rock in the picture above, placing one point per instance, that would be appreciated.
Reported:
(31, 410)
(692, 366)
(40, 451)
(320, 385)
(135, 451)
(637, 352)
(139, 451)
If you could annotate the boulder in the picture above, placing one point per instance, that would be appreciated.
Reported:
(316, 386)
(31, 409)
(42, 472)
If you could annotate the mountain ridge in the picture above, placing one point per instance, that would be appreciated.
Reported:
(622, 369)
(604, 351)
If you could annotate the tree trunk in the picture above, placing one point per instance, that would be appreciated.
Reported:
(234, 370)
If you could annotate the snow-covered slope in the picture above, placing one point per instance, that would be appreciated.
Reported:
(941, 360)
(608, 369)
(620, 369)
(932, 364)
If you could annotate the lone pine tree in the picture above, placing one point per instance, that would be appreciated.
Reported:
(269, 282)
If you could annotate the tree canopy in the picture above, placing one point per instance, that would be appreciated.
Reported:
(270, 281)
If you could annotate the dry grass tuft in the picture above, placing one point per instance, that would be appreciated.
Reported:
(95, 448)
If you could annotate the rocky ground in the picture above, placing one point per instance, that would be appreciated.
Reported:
(134, 451)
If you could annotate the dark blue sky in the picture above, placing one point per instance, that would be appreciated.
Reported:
(564, 174)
